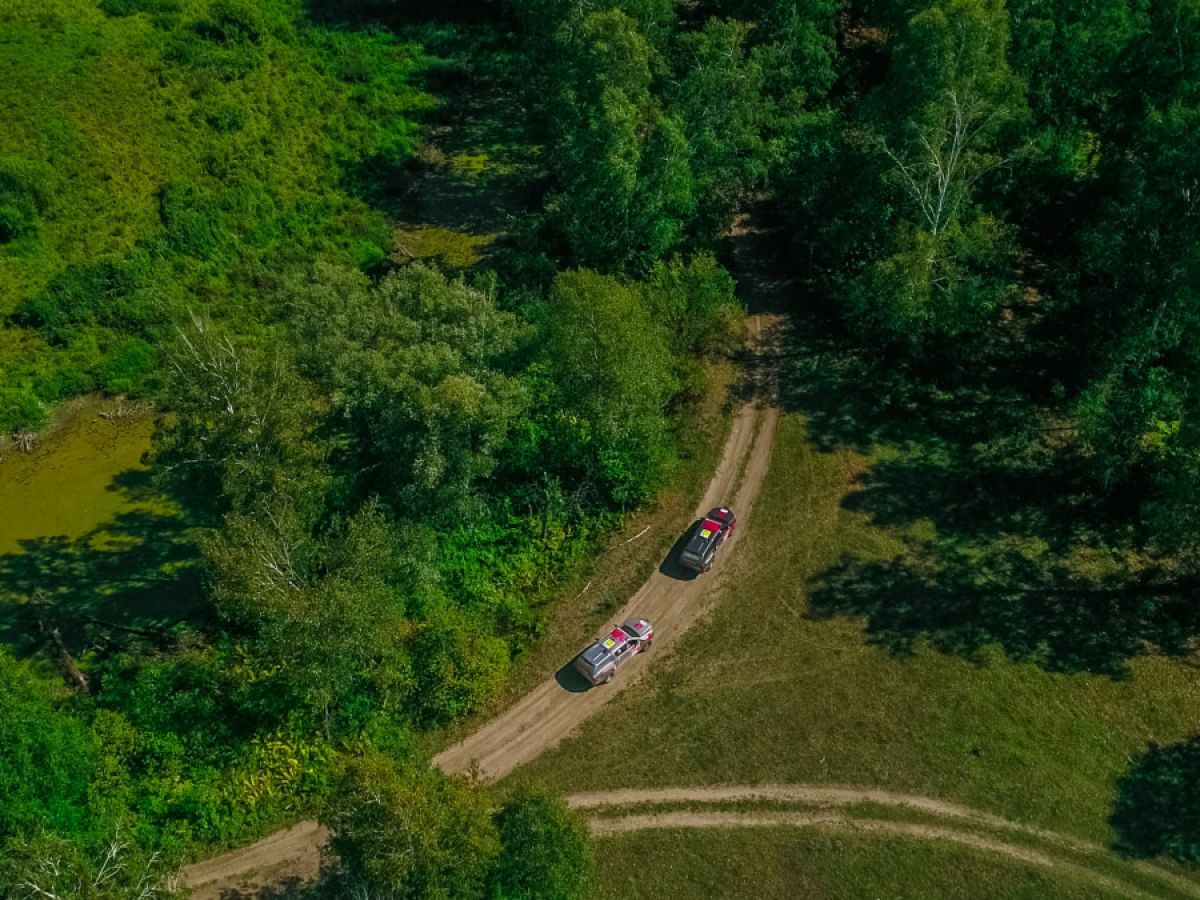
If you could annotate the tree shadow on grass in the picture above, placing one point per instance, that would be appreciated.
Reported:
(1157, 812)
(1008, 542)
(857, 397)
(128, 581)
(476, 186)
(962, 599)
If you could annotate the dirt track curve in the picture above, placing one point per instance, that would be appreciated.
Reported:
(822, 800)
(552, 710)
(871, 826)
(292, 855)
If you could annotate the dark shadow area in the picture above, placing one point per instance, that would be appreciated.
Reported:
(670, 566)
(963, 598)
(856, 397)
(136, 484)
(397, 14)
(1010, 542)
(383, 183)
(569, 679)
(1157, 812)
(754, 248)
(129, 581)
(477, 181)
(291, 888)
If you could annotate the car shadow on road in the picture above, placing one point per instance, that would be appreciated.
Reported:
(569, 679)
(670, 566)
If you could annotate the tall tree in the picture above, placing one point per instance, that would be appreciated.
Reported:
(945, 119)
(327, 613)
(241, 419)
(544, 850)
(612, 371)
(1141, 280)
(621, 162)
(46, 757)
(719, 94)
(409, 832)
(47, 867)
(411, 367)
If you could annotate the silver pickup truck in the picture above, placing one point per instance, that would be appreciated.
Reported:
(600, 661)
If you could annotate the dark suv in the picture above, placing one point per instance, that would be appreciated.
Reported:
(707, 536)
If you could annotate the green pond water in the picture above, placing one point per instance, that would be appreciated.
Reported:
(86, 543)
(85, 475)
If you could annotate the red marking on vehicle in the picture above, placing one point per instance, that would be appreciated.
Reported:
(710, 525)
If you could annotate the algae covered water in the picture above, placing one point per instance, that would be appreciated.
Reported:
(87, 544)
(87, 473)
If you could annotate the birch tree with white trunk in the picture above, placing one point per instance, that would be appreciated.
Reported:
(945, 118)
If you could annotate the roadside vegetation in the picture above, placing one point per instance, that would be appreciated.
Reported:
(426, 302)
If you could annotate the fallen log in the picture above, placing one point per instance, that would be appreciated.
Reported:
(70, 669)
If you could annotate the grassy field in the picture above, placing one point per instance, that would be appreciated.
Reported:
(791, 681)
(778, 863)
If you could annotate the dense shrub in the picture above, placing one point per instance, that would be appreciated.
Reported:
(116, 295)
(20, 408)
(544, 850)
(458, 668)
(405, 832)
(46, 758)
(14, 221)
(132, 7)
(232, 21)
(127, 367)
(23, 193)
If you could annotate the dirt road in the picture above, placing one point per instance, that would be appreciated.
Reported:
(727, 820)
(670, 599)
(291, 856)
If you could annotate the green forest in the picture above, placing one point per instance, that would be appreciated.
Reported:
(391, 459)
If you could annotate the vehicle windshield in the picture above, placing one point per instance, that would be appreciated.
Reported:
(696, 545)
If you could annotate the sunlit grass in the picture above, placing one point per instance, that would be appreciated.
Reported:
(765, 863)
(445, 246)
(766, 692)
